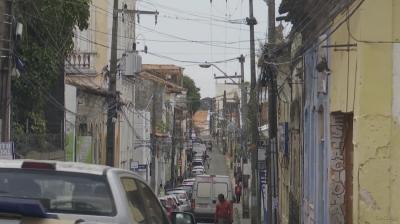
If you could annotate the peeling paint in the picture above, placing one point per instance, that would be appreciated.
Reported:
(383, 152)
(368, 199)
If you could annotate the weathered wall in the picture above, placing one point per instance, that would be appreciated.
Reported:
(316, 139)
(295, 146)
(91, 121)
(373, 73)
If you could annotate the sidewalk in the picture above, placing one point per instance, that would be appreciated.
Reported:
(237, 212)
(237, 208)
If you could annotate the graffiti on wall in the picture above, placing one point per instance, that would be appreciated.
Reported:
(337, 170)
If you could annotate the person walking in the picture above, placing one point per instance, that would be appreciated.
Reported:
(238, 191)
(162, 190)
(223, 211)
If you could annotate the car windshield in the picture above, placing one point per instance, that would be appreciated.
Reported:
(59, 192)
(197, 163)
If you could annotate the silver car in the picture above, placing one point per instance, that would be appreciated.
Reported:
(73, 191)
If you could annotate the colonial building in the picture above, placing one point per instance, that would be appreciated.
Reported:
(344, 112)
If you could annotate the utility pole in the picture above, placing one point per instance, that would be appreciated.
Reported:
(255, 191)
(5, 69)
(272, 159)
(112, 87)
(243, 137)
(224, 145)
(173, 169)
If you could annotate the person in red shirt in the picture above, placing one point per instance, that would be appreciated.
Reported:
(223, 211)
(238, 191)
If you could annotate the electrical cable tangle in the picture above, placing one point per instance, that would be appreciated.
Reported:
(206, 43)
(175, 41)
(180, 38)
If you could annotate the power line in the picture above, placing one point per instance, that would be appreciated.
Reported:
(176, 41)
(180, 38)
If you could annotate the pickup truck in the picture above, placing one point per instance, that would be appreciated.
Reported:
(77, 192)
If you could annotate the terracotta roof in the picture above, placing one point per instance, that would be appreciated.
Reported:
(163, 69)
(172, 87)
(200, 118)
(86, 83)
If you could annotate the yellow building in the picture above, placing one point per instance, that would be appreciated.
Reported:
(365, 87)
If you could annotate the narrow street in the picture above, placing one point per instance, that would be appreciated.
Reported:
(302, 95)
(218, 164)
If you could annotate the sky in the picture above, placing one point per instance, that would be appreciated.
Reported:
(189, 32)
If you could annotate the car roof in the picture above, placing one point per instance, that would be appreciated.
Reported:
(189, 180)
(201, 169)
(75, 167)
(177, 191)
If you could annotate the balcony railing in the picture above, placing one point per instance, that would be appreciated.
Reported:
(80, 62)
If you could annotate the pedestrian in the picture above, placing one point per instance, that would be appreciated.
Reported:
(223, 211)
(238, 191)
(162, 190)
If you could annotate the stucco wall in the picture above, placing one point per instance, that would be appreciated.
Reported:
(373, 72)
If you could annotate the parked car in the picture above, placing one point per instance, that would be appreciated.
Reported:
(166, 205)
(183, 198)
(205, 195)
(197, 163)
(198, 168)
(187, 181)
(197, 172)
(73, 191)
(187, 188)
(174, 200)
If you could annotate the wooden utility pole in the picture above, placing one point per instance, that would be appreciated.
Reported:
(5, 69)
(173, 165)
(255, 191)
(243, 138)
(272, 159)
(112, 87)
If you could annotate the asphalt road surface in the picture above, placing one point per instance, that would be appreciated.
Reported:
(217, 163)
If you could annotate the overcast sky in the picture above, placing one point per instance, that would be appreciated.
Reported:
(182, 21)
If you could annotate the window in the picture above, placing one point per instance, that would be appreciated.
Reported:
(220, 188)
(60, 192)
(154, 211)
(135, 199)
(204, 190)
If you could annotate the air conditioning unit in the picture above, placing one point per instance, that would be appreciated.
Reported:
(133, 64)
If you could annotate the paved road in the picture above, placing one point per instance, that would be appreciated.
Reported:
(219, 166)
(217, 163)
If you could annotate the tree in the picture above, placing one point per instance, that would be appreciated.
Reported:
(47, 38)
(193, 94)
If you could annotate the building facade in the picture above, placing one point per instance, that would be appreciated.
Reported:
(344, 113)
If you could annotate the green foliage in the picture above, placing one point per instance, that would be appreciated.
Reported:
(193, 94)
(47, 38)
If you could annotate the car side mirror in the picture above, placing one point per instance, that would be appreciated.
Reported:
(182, 217)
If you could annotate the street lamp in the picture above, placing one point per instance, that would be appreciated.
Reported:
(208, 65)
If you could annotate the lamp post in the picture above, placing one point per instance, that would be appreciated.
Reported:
(208, 65)
(243, 127)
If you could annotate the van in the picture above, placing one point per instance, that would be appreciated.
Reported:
(206, 189)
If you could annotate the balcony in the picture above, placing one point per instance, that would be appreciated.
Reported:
(81, 62)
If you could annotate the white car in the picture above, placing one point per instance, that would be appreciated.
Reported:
(186, 181)
(76, 191)
(184, 202)
(197, 172)
(199, 168)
